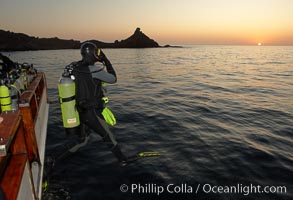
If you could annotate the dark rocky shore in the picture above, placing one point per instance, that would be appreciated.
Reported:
(10, 41)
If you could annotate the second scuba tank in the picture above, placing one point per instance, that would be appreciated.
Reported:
(14, 98)
(5, 100)
(70, 116)
(19, 83)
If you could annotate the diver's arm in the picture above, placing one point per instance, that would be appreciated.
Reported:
(109, 67)
(103, 59)
(102, 75)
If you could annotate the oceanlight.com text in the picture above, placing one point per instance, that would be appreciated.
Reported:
(184, 188)
(243, 189)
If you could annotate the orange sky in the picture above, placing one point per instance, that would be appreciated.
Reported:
(167, 21)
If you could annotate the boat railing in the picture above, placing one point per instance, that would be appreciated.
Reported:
(29, 106)
(20, 142)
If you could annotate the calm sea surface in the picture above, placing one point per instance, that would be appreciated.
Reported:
(221, 116)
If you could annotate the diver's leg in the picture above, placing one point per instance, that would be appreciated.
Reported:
(95, 121)
(77, 140)
(84, 132)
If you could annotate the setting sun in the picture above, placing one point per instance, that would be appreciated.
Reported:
(259, 44)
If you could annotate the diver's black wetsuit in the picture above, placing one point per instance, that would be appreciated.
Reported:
(89, 93)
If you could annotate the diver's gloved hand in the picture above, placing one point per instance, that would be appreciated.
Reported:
(102, 57)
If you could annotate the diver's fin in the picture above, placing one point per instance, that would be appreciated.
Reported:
(129, 160)
(138, 156)
(148, 154)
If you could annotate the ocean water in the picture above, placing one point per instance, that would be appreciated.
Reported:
(220, 116)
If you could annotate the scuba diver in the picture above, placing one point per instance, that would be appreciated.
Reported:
(81, 89)
(90, 100)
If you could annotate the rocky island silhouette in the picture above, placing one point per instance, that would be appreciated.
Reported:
(10, 41)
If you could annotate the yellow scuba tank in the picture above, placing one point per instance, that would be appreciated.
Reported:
(70, 116)
(5, 99)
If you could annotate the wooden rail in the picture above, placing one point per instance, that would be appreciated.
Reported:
(29, 106)
(18, 144)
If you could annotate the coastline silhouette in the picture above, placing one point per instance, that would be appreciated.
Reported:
(10, 41)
